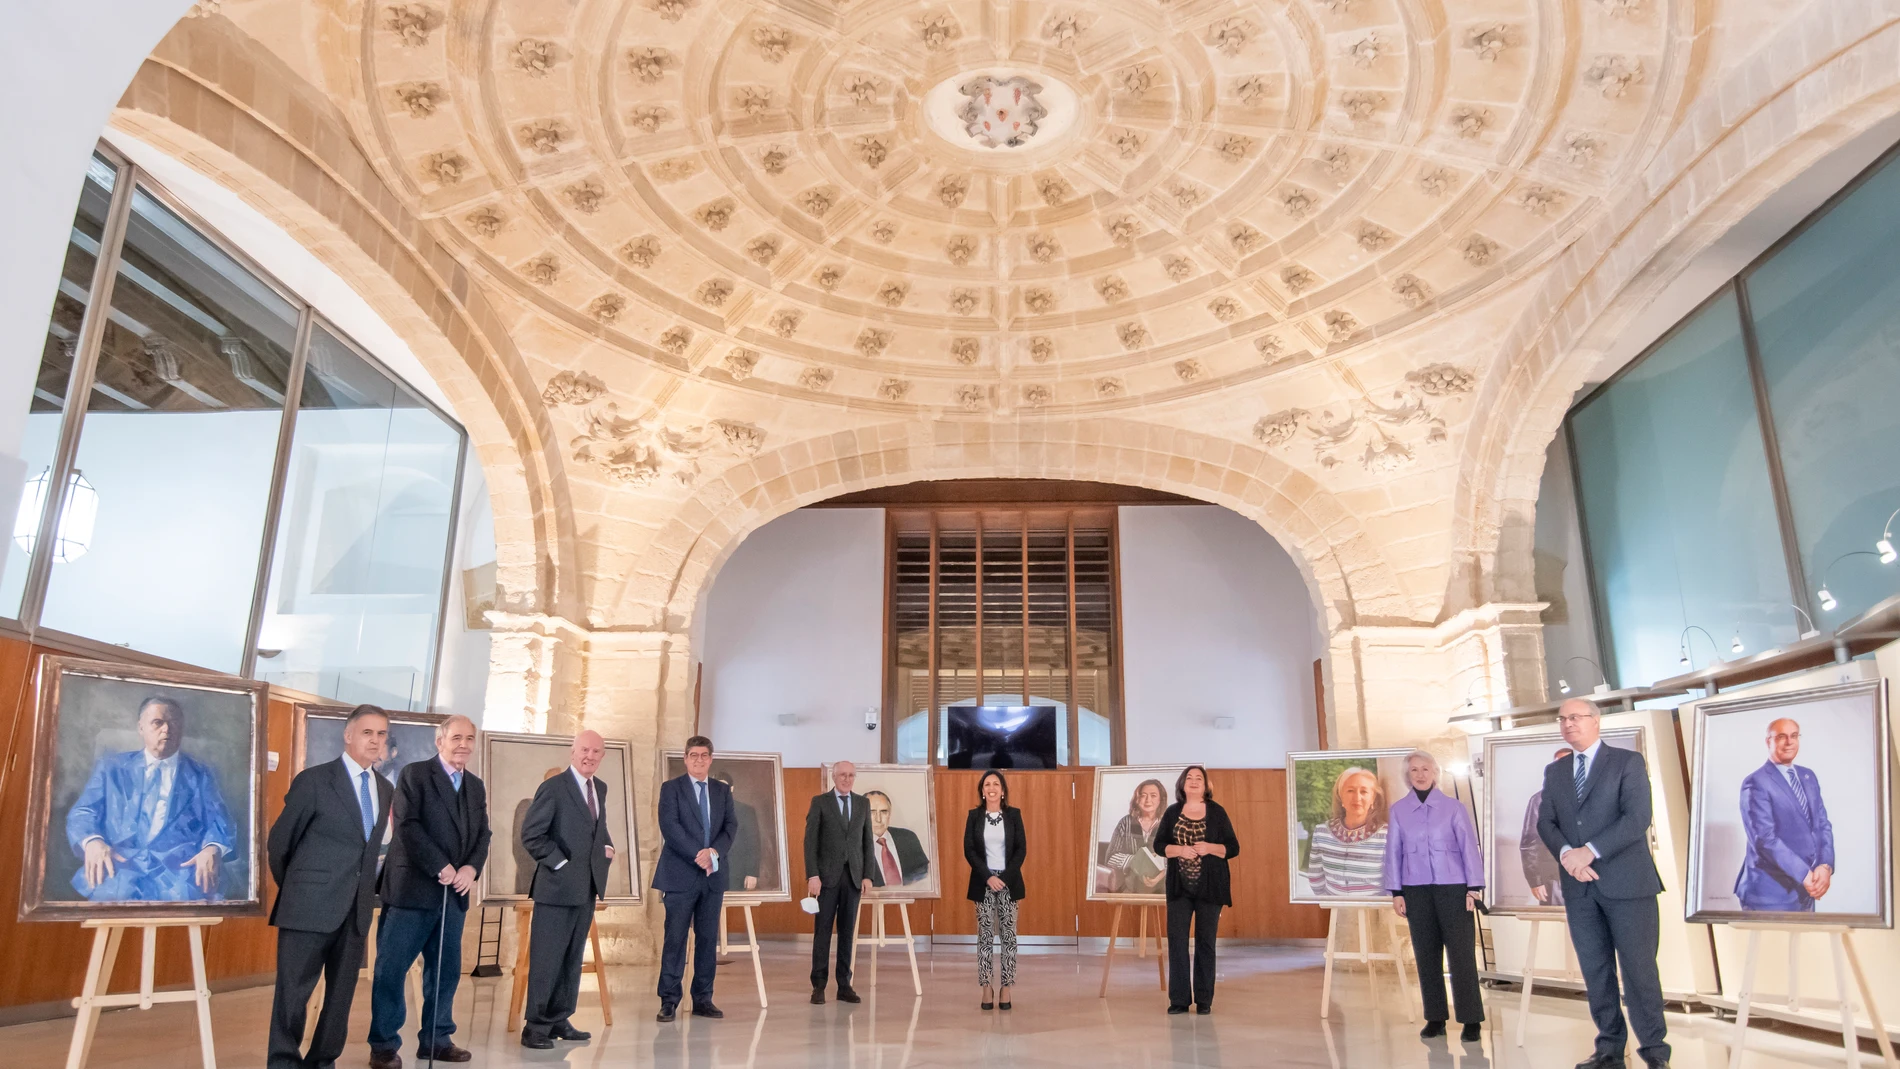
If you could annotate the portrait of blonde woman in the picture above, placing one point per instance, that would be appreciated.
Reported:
(1347, 856)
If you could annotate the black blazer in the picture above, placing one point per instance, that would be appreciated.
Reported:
(436, 825)
(835, 849)
(682, 837)
(1014, 850)
(1215, 884)
(559, 829)
(322, 862)
(1613, 817)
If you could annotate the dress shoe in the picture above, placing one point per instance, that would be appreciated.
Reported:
(385, 1059)
(1656, 1065)
(1177, 1009)
(818, 996)
(665, 1016)
(1203, 1010)
(847, 994)
(986, 1005)
(1602, 1061)
(536, 1041)
(569, 1033)
(1432, 1030)
(1002, 1005)
(447, 1052)
(707, 1009)
(1474, 1031)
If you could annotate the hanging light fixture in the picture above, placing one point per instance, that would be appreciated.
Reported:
(1735, 644)
(72, 535)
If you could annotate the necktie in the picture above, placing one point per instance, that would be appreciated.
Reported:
(844, 803)
(705, 816)
(148, 803)
(893, 876)
(593, 806)
(1583, 770)
(369, 807)
(1800, 796)
(457, 780)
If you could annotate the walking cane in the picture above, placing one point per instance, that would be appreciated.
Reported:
(441, 930)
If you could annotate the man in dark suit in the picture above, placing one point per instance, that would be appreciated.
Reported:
(839, 863)
(323, 851)
(441, 843)
(1595, 818)
(697, 824)
(566, 833)
(747, 850)
(899, 854)
(1790, 859)
(1540, 867)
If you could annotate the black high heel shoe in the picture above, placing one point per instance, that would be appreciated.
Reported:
(987, 1002)
(1002, 1005)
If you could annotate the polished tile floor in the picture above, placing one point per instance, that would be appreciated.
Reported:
(1265, 1014)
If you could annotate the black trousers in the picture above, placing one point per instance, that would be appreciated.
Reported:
(837, 905)
(697, 910)
(301, 958)
(1442, 928)
(556, 948)
(1626, 931)
(1205, 916)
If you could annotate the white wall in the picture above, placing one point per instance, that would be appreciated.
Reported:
(1216, 621)
(795, 624)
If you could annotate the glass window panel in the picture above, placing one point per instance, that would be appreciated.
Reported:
(353, 607)
(178, 443)
(1827, 323)
(41, 434)
(1677, 510)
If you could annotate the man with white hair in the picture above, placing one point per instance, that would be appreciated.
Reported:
(440, 845)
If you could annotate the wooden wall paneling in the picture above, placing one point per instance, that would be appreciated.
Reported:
(785, 918)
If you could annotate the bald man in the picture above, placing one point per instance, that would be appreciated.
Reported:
(566, 834)
(1790, 859)
(440, 846)
(839, 863)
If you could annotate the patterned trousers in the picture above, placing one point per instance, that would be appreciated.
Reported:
(995, 914)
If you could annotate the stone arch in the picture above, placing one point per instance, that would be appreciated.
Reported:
(210, 99)
(1825, 77)
(1349, 582)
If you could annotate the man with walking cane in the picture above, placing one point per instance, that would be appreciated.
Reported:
(440, 844)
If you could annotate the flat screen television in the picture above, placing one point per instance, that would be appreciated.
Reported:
(1001, 736)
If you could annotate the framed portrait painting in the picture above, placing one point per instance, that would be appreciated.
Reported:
(1124, 862)
(757, 865)
(903, 830)
(145, 796)
(1789, 820)
(1338, 808)
(317, 736)
(512, 768)
(1522, 878)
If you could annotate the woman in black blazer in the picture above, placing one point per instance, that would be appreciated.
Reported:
(1199, 841)
(993, 845)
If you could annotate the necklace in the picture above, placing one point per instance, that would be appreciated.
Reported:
(994, 820)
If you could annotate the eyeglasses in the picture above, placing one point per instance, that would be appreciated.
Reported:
(1576, 718)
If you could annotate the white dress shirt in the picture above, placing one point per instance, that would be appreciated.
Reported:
(591, 799)
(700, 787)
(993, 843)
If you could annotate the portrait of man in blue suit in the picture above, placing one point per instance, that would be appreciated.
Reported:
(151, 825)
(1790, 858)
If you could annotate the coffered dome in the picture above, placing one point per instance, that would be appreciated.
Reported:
(786, 194)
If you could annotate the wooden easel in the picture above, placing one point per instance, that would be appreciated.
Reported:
(880, 937)
(1365, 955)
(1141, 942)
(1530, 967)
(750, 946)
(524, 913)
(1846, 958)
(106, 937)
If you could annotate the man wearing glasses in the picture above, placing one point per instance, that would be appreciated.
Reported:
(1595, 817)
(1790, 859)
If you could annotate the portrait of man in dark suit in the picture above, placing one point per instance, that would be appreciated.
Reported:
(1541, 870)
(1789, 864)
(898, 853)
(151, 824)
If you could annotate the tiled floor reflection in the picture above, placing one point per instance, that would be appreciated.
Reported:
(1266, 1014)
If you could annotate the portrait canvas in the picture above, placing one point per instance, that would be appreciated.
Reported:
(1338, 805)
(512, 768)
(1124, 863)
(756, 865)
(1523, 878)
(903, 829)
(145, 797)
(318, 737)
(1790, 806)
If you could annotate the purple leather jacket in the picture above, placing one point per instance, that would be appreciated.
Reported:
(1431, 842)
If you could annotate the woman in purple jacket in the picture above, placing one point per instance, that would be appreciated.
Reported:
(1435, 877)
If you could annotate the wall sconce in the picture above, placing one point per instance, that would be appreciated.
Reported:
(1735, 644)
(1884, 547)
(1828, 603)
(787, 720)
(72, 536)
(1811, 632)
(1223, 723)
(1469, 700)
(1603, 684)
(1686, 662)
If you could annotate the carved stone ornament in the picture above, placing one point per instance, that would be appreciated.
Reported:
(648, 64)
(672, 10)
(1230, 36)
(543, 270)
(1478, 250)
(587, 197)
(1372, 237)
(676, 340)
(1411, 290)
(1234, 148)
(1469, 121)
(1489, 42)
(1061, 30)
(447, 168)
(893, 389)
(1186, 195)
(972, 397)
(1298, 279)
(892, 294)
(648, 118)
(411, 23)
(1053, 189)
(963, 302)
(1041, 349)
(753, 100)
(1001, 112)
(745, 439)
(1245, 239)
(883, 231)
(862, 89)
(1612, 76)
(1581, 148)
(1360, 104)
(1539, 200)
(716, 215)
(739, 363)
(607, 307)
(817, 202)
(714, 292)
(773, 42)
(937, 31)
(1107, 388)
(1112, 289)
(1128, 143)
(1042, 248)
(1622, 8)
(871, 150)
(1132, 335)
(952, 188)
(1336, 162)
(420, 98)
(762, 250)
(959, 250)
(1442, 380)
(541, 138)
(1137, 81)
(642, 451)
(1366, 51)
(1225, 309)
(1436, 181)
(1269, 346)
(1036, 395)
(1123, 230)
(815, 379)
(1251, 90)
(1341, 325)
(676, 169)
(573, 388)
(785, 321)
(1332, 435)
(1189, 370)
(872, 342)
(1179, 268)
(535, 58)
(485, 221)
(828, 277)
(1039, 300)
(641, 251)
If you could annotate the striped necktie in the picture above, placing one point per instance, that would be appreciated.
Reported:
(1800, 796)
(1583, 772)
